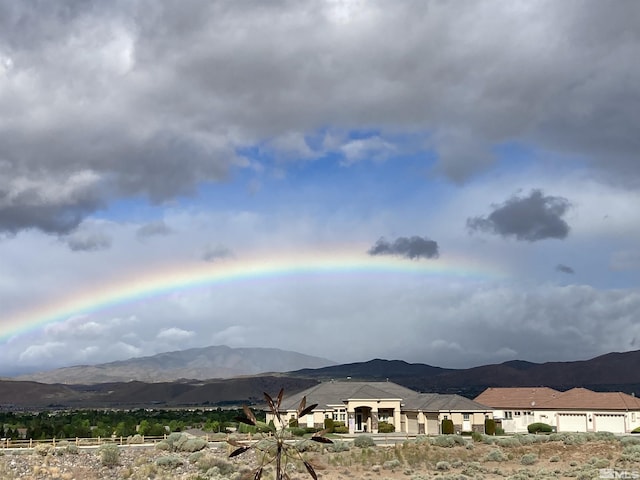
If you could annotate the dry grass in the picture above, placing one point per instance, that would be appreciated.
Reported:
(412, 460)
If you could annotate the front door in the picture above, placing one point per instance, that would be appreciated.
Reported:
(358, 422)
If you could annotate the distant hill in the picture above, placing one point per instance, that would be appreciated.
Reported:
(610, 372)
(195, 363)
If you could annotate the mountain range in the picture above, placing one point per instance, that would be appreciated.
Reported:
(610, 372)
(218, 361)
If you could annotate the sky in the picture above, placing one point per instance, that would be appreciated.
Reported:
(451, 183)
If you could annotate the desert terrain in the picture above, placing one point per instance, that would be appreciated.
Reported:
(556, 456)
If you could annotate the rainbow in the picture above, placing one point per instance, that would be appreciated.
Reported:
(180, 277)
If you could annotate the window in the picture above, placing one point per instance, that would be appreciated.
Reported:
(508, 415)
(465, 417)
(517, 414)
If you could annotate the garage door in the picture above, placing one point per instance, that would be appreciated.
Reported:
(572, 422)
(609, 423)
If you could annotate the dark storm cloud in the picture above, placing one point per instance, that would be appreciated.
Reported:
(153, 97)
(564, 269)
(410, 247)
(532, 218)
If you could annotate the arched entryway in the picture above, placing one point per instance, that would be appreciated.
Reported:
(363, 419)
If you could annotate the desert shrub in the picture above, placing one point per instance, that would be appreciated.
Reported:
(72, 449)
(338, 446)
(329, 425)
(539, 427)
(207, 462)
(476, 436)
(629, 441)
(447, 426)
(489, 426)
(575, 439)
(489, 439)
(599, 462)
(308, 446)
(386, 427)
(164, 446)
(363, 441)
(170, 461)
(631, 453)
(391, 464)
(605, 436)
(496, 456)
(443, 441)
(195, 456)
(508, 442)
(194, 444)
(499, 431)
(443, 465)
(554, 459)
(43, 449)
(529, 459)
(135, 439)
(109, 455)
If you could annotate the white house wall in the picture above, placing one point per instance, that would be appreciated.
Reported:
(572, 421)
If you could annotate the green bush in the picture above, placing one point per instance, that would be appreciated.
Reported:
(489, 426)
(340, 427)
(363, 441)
(539, 427)
(447, 426)
(385, 427)
(297, 431)
(529, 459)
(109, 455)
(636, 430)
(329, 425)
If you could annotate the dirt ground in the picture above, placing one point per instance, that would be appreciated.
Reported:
(413, 460)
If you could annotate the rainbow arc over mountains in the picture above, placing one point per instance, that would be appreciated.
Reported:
(183, 277)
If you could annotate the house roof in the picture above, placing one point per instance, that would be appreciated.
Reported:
(517, 397)
(436, 402)
(331, 393)
(335, 392)
(549, 399)
(581, 398)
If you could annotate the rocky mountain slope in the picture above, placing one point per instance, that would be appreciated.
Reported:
(195, 363)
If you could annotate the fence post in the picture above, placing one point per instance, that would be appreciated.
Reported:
(54, 442)
(30, 443)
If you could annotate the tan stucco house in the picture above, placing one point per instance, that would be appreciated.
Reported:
(576, 410)
(361, 405)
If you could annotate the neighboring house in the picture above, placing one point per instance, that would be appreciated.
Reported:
(361, 405)
(576, 410)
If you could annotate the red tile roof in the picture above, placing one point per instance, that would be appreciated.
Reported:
(583, 399)
(516, 397)
(548, 399)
